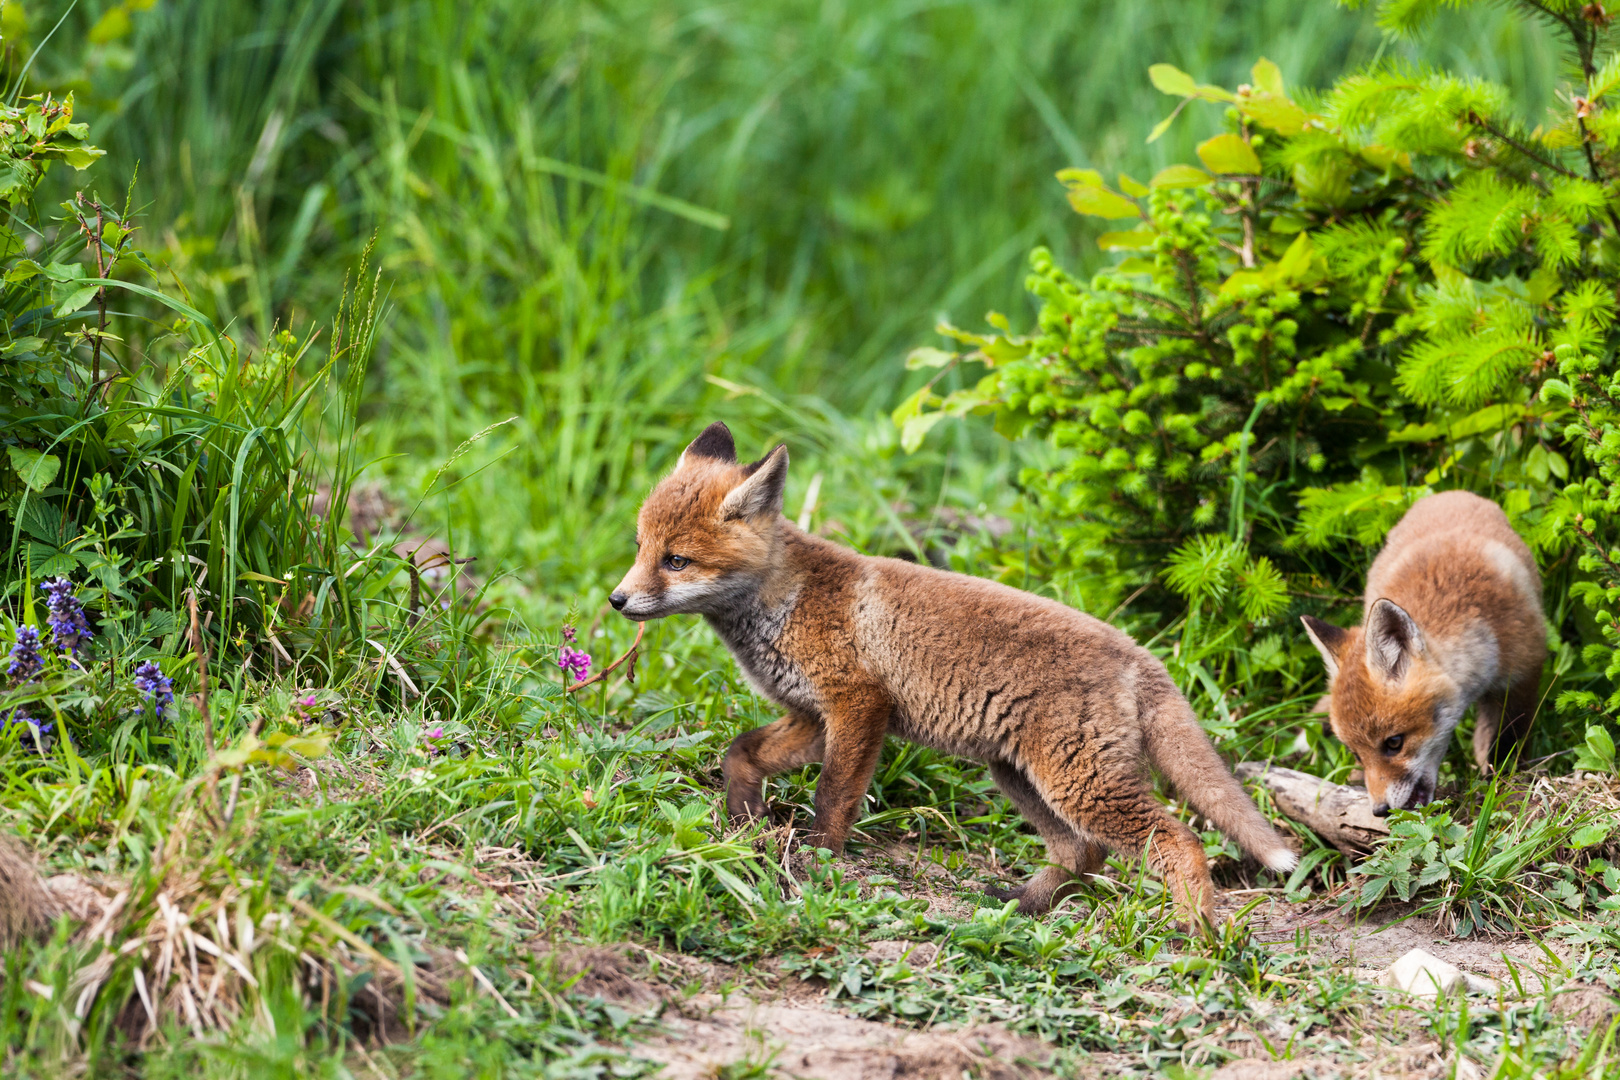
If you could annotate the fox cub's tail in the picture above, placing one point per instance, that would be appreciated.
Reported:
(1178, 747)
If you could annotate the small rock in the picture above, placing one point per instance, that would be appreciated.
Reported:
(916, 955)
(1425, 975)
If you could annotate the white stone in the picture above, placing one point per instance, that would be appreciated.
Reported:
(1423, 974)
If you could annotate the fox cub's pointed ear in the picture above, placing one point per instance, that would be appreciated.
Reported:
(715, 443)
(761, 493)
(1329, 641)
(1393, 639)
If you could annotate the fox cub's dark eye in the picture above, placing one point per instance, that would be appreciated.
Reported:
(1392, 745)
(677, 562)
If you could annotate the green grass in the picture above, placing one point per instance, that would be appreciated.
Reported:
(547, 185)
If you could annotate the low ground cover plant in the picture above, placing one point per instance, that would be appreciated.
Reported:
(303, 793)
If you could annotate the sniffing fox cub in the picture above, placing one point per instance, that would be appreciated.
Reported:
(1453, 618)
(1066, 710)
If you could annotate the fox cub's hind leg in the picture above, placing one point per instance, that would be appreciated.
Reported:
(788, 744)
(1502, 722)
(1070, 855)
(1118, 809)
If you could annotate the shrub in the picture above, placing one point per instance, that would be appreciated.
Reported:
(1235, 357)
(1362, 297)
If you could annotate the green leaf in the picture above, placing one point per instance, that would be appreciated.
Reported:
(1601, 745)
(36, 467)
(82, 157)
(1416, 433)
(928, 358)
(1134, 240)
(1169, 79)
(1080, 178)
(1134, 188)
(912, 406)
(1229, 154)
(1163, 125)
(1587, 835)
(111, 26)
(1267, 76)
(74, 299)
(911, 435)
(1100, 202)
(1274, 112)
(1180, 176)
(1490, 418)
(1297, 259)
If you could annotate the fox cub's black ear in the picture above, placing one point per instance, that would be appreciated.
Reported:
(1328, 639)
(761, 493)
(715, 443)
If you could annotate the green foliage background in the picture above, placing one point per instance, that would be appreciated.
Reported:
(505, 259)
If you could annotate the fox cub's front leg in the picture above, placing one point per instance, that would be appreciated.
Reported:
(788, 744)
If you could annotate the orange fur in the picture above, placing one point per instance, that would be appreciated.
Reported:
(1067, 711)
(1452, 618)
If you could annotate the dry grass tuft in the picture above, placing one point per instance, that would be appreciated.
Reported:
(27, 907)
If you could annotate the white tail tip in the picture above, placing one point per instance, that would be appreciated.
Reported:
(1282, 860)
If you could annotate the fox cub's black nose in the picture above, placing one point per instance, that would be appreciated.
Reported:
(1379, 809)
(618, 600)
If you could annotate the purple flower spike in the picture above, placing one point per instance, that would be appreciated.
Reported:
(154, 686)
(568, 633)
(69, 630)
(25, 660)
(576, 662)
(37, 729)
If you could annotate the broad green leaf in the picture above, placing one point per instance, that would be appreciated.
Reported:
(909, 408)
(1416, 433)
(111, 26)
(1267, 76)
(911, 435)
(1169, 79)
(928, 358)
(1600, 743)
(82, 157)
(1134, 188)
(1490, 418)
(1228, 153)
(1587, 835)
(1277, 113)
(960, 403)
(1080, 178)
(1384, 158)
(74, 299)
(1163, 125)
(1180, 176)
(36, 467)
(1100, 202)
(1297, 259)
(1241, 278)
(1135, 265)
(21, 345)
(1134, 240)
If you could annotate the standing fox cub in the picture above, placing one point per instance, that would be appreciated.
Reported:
(1066, 710)
(1453, 618)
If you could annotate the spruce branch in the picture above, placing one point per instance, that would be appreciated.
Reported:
(1497, 133)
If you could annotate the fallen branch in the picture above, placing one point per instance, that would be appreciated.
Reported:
(629, 655)
(1338, 814)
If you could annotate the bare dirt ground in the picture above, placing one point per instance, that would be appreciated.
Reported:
(715, 1023)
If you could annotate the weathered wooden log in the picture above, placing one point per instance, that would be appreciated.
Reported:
(1340, 815)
